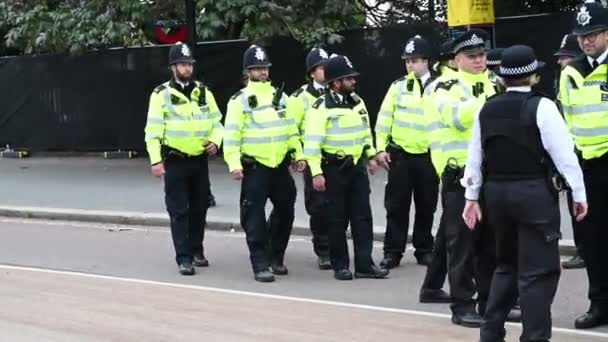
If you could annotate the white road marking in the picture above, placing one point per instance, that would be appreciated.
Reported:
(271, 296)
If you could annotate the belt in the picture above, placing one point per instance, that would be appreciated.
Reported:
(169, 152)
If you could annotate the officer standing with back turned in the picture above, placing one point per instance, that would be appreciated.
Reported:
(182, 130)
(260, 143)
(298, 106)
(337, 147)
(584, 96)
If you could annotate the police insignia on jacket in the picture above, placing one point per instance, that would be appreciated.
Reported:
(583, 17)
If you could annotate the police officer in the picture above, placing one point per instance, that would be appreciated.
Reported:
(584, 96)
(567, 52)
(403, 144)
(518, 137)
(445, 65)
(298, 105)
(182, 130)
(337, 145)
(493, 62)
(456, 102)
(260, 143)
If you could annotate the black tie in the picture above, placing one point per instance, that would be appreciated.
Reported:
(595, 64)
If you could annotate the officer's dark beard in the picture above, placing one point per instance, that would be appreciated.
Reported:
(182, 78)
(345, 90)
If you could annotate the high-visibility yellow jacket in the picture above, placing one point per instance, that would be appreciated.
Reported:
(344, 130)
(184, 124)
(584, 97)
(300, 102)
(254, 127)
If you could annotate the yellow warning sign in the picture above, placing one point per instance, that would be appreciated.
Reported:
(470, 12)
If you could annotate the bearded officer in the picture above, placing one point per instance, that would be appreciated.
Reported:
(338, 145)
(584, 96)
(182, 130)
(403, 143)
(518, 137)
(260, 143)
(298, 106)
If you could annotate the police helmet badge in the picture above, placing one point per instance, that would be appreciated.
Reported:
(348, 62)
(186, 50)
(583, 17)
(564, 42)
(323, 54)
(410, 47)
(259, 54)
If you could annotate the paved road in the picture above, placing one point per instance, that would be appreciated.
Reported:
(126, 185)
(64, 307)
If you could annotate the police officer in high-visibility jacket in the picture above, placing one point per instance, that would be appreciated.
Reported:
(584, 96)
(182, 130)
(402, 140)
(337, 146)
(456, 103)
(298, 105)
(261, 141)
(445, 65)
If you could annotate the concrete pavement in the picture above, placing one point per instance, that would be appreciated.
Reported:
(140, 296)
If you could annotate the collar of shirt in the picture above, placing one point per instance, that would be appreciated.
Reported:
(520, 89)
(425, 77)
(337, 96)
(317, 85)
(601, 59)
(182, 84)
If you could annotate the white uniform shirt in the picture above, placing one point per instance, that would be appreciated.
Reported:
(556, 140)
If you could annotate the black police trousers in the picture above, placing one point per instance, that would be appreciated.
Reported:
(594, 231)
(524, 215)
(437, 271)
(410, 174)
(315, 203)
(346, 194)
(267, 240)
(577, 228)
(186, 191)
(468, 269)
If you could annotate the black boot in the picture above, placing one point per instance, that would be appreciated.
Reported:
(390, 261)
(575, 262)
(374, 272)
(324, 263)
(434, 296)
(186, 268)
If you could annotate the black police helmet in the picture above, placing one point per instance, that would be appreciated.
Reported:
(315, 57)
(255, 57)
(338, 67)
(569, 47)
(590, 17)
(518, 61)
(180, 53)
(417, 47)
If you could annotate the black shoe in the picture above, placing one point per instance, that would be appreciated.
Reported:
(425, 259)
(390, 261)
(211, 201)
(200, 261)
(574, 262)
(514, 316)
(374, 272)
(434, 296)
(592, 319)
(343, 274)
(186, 268)
(264, 277)
(324, 263)
(279, 269)
(468, 320)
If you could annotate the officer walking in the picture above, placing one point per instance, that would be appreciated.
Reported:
(260, 143)
(567, 52)
(402, 140)
(518, 137)
(456, 102)
(298, 105)
(584, 96)
(336, 146)
(182, 130)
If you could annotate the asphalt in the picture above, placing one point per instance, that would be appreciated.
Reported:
(127, 284)
(123, 191)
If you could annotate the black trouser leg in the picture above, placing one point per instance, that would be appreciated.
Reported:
(283, 198)
(577, 228)
(336, 192)
(484, 260)
(437, 270)
(198, 203)
(360, 214)
(254, 193)
(397, 201)
(315, 207)
(459, 244)
(595, 235)
(177, 176)
(426, 192)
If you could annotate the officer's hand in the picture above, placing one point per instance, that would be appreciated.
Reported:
(471, 214)
(384, 159)
(372, 166)
(318, 183)
(211, 148)
(299, 166)
(237, 174)
(158, 169)
(580, 210)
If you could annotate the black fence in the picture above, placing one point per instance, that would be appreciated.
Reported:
(98, 101)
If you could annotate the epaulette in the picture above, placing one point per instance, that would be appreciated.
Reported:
(160, 88)
(297, 92)
(400, 79)
(318, 102)
(447, 85)
(237, 94)
(356, 98)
